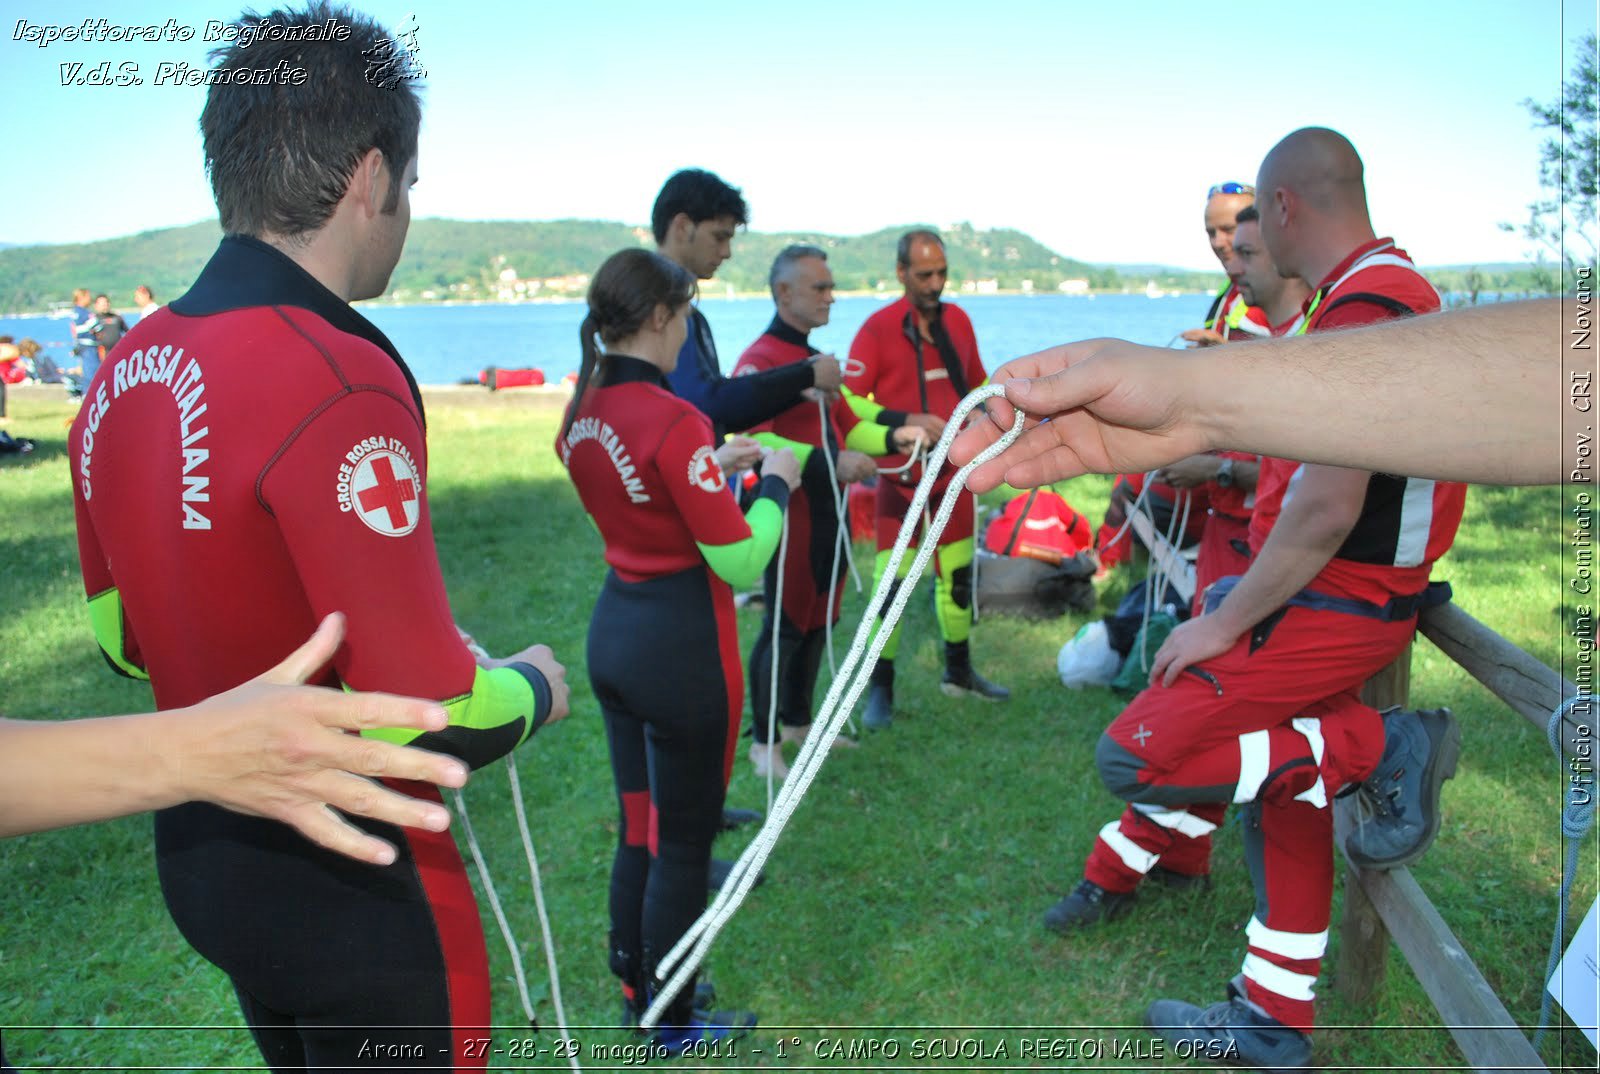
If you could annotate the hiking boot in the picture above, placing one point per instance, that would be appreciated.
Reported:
(960, 680)
(1234, 1031)
(705, 1027)
(880, 698)
(1089, 904)
(720, 868)
(1398, 804)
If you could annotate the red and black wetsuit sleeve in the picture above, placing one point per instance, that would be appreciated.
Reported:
(384, 575)
(738, 403)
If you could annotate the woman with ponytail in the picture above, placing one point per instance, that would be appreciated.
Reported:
(664, 658)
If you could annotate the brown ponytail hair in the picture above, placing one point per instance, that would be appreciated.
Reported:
(622, 296)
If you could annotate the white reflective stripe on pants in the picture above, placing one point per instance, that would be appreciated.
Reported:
(1132, 854)
(1278, 980)
(1298, 946)
(1311, 727)
(1177, 820)
(1255, 754)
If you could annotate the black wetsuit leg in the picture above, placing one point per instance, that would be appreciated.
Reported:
(338, 965)
(659, 662)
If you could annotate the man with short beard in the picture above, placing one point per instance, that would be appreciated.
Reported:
(919, 358)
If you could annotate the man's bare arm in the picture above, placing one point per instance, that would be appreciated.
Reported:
(1470, 395)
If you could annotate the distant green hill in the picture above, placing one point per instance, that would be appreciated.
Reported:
(477, 260)
(473, 260)
(167, 261)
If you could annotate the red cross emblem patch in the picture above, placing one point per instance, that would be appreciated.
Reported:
(387, 494)
(705, 472)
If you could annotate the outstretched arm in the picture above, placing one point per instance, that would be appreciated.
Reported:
(269, 748)
(1472, 395)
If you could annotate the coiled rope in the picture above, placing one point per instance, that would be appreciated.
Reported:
(686, 956)
(538, 899)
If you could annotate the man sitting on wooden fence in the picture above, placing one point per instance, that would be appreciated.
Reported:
(1256, 701)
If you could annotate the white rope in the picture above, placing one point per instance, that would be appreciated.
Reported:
(827, 623)
(843, 548)
(494, 903)
(911, 459)
(1156, 575)
(1127, 520)
(544, 917)
(841, 495)
(686, 956)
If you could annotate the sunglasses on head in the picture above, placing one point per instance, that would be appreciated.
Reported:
(1230, 188)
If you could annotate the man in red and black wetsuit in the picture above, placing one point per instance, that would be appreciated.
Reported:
(1256, 701)
(250, 459)
(918, 357)
(831, 456)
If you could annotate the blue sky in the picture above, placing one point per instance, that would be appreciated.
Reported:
(1095, 127)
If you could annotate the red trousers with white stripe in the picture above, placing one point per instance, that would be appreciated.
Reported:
(1281, 731)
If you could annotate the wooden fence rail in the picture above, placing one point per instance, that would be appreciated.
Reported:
(1379, 905)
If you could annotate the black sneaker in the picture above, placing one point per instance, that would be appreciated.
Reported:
(1089, 904)
(705, 1027)
(1399, 803)
(1234, 1031)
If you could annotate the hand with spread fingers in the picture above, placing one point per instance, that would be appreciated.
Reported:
(271, 748)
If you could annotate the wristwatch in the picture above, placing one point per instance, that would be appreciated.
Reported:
(1225, 474)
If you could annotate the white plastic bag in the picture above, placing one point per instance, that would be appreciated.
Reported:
(1088, 659)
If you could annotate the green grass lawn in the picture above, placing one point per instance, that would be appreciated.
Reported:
(906, 894)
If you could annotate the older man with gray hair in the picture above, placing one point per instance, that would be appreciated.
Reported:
(832, 438)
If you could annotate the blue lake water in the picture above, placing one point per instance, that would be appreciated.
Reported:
(445, 344)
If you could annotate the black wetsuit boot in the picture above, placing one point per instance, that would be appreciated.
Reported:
(880, 698)
(960, 680)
